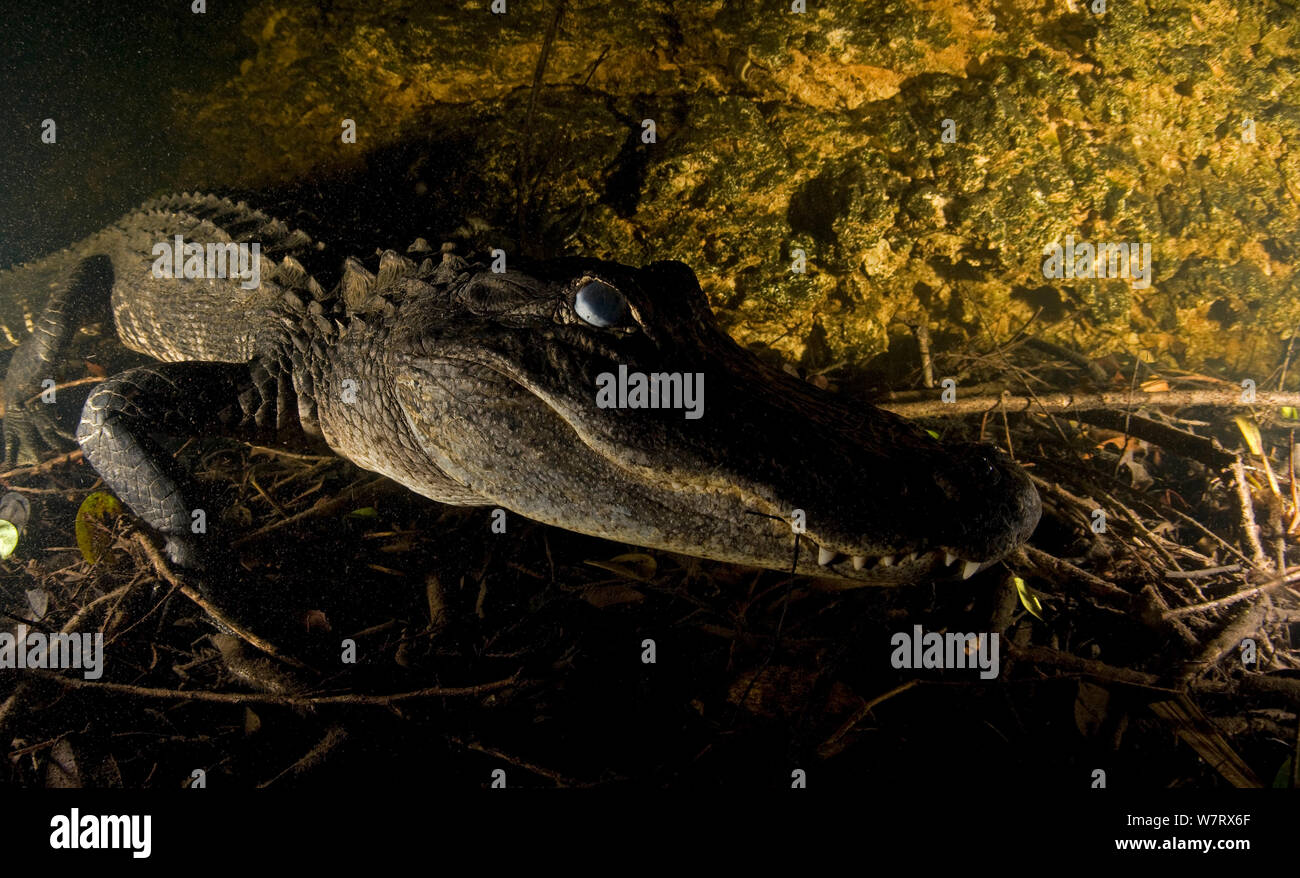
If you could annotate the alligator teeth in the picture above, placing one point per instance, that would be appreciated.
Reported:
(859, 561)
(969, 569)
(887, 561)
(948, 558)
(825, 556)
(912, 556)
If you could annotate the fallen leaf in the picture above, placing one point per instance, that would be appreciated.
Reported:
(94, 519)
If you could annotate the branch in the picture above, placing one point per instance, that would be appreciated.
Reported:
(1060, 402)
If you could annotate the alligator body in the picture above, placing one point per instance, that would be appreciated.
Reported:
(479, 388)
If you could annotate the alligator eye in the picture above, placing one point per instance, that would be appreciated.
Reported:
(600, 304)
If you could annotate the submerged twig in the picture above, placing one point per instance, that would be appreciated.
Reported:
(1060, 402)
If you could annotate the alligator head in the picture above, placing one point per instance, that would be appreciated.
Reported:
(506, 382)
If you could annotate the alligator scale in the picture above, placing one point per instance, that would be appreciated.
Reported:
(479, 388)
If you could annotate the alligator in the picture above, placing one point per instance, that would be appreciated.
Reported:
(478, 387)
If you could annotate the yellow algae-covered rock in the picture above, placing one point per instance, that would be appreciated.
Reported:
(917, 158)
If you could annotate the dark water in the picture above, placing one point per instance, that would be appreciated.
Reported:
(106, 74)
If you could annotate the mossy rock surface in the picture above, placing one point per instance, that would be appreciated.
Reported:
(822, 132)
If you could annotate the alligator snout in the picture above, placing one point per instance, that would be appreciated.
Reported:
(978, 506)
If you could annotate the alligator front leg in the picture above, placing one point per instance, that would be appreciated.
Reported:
(83, 298)
(121, 418)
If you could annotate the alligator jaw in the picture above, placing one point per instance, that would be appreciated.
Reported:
(528, 449)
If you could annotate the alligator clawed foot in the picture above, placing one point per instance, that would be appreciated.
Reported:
(31, 435)
(234, 602)
(241, 603)
(187, 554)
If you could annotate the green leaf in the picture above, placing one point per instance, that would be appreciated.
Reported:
(933, 433)
(364, 512)
(96, 514)
(1290, 413)
(8, 539)
(1282, 780)
(1250, 432)
(1028, 599)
